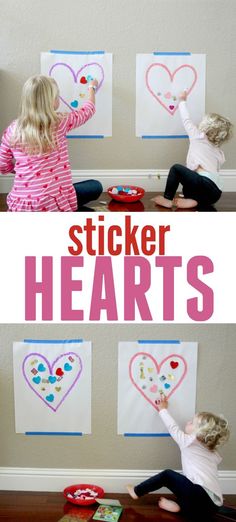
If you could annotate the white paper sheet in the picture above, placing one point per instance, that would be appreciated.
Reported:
(72, 73)
(146, 370)
(159, 80)
(52, 386)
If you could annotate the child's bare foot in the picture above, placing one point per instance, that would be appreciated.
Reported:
(185, 203)
(163, 202)
(131, 491)
(168, 505)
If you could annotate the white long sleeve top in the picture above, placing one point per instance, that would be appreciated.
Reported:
(202, 153)
(198, 462)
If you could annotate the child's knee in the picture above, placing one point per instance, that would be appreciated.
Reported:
(99, 187)
(177, 166)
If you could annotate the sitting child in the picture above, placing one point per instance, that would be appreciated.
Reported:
(197, 490)
(35, 147)
(200, 179)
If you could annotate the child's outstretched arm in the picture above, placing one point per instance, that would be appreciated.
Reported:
(6, 156)
(78, 117)
(92, 90)
(181, 438)
(189, 126)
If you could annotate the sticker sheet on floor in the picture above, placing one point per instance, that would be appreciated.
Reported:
(52, 386)
(148, 370)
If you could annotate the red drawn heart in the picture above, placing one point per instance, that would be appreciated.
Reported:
(158, 368)
(174, 365)
(59, 372)
(170, 108)
(83, 79)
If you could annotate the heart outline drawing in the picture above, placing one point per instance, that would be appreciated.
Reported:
(75, 76)
(171, 75)
(158, 370)
(50, 367)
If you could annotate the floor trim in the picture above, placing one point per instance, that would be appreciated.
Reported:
(152, 180)
(112, 480)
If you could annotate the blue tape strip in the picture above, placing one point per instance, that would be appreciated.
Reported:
(172, 54)
(54, 51)
(146, 435)
(70, 434)
(174, 137)
(95, 137)
(143, 341)
(51, 341)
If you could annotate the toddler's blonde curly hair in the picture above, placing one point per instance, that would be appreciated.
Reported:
(217, 128)
(211, 430)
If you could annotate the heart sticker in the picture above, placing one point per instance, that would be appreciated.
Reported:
(57, 385)
(83, 80)
(75, 80)
(174, 81)
(152, 384)
(74, 104)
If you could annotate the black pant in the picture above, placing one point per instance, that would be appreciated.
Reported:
(88, 190)
(192, 499)
(195, 186)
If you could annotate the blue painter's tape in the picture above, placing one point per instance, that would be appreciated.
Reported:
(51, 341)
(95, 137)
(70, 434)
(146, 435)
(181, 136)
(54, 51)
(172, 54)
(158, 342)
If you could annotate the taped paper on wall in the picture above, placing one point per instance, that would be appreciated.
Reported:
(147, 370)
(73, 73)
(52, 386)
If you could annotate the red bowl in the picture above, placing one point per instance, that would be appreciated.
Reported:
(82, 501)
(123, 197)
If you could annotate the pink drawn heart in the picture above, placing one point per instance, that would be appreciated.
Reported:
(76, 75)
(158, 368)
(42, 378)
(169, 108)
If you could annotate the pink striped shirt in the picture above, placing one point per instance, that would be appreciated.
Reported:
(43, 182)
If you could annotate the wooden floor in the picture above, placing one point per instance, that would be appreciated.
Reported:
(227, 203)
(52, 507)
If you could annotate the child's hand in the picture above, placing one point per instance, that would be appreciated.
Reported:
(93, 83)
(183, 95)
(163, 405)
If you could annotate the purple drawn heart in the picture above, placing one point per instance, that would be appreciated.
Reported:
(76, 75)
(68, 383)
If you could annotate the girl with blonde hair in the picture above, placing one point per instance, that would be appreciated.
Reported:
(200, 179)
(35, 147)
(197, 490)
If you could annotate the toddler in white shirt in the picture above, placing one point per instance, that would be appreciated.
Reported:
(200, 178)
(197, 489)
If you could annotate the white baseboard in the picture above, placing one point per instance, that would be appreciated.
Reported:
(152, 180)
(112, 480)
